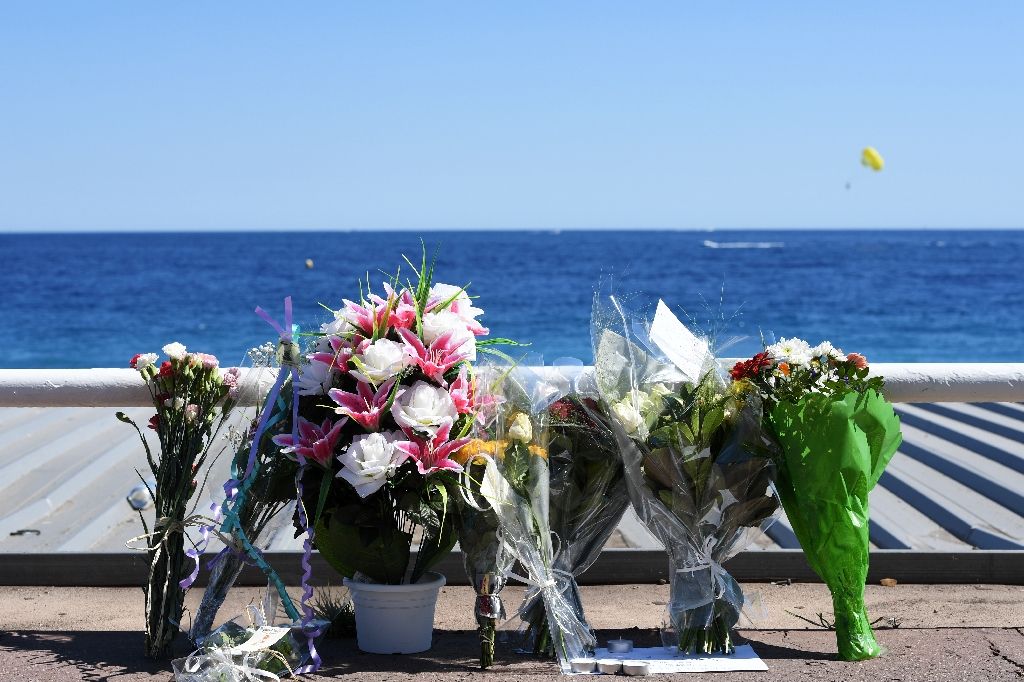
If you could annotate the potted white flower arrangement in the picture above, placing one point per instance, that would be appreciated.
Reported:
(386, 399)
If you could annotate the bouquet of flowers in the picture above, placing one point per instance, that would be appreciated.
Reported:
(698, 463)
(192, 398)
(235, 652)
(486, 557)
(587, 498)
(258, 513)
(837, 434)
(513, 447)
(384, 402)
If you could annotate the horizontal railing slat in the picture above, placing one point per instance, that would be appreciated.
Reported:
(905, 383)
(613, 566)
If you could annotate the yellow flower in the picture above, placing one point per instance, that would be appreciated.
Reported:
(538, 451)
(477, 449)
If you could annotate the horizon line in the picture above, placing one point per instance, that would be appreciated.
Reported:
(549, 230)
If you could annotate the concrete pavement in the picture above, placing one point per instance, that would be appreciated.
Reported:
(952, 632)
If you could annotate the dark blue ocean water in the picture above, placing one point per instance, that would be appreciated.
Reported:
(94, 300)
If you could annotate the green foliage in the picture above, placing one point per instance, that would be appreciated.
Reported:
(517, 468)
(380, 553)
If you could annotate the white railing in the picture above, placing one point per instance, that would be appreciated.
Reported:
(904, 383)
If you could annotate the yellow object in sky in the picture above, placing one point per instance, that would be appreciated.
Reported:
(309, 263)
(872, 159)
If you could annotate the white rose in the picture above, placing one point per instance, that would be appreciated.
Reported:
(629, 417)
(423, 407)
(369, 461)
(380, 361)
(521, 429)
(437, 324)
(175, 351)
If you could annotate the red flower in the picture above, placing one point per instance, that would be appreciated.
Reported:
(166, 370)
(751, 367)
(154, 422)
(134, 360)
(561, 409)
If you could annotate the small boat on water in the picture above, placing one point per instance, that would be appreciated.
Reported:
(709, 244)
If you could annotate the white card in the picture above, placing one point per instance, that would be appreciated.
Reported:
(679, 344)
(264, 638)
(661, 660)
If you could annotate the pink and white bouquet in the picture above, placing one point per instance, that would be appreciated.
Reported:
(386, 400)
(192, 397)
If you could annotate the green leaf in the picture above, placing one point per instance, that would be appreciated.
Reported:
(499, 354)
(499, 341)
(443, 493)
(325, 486)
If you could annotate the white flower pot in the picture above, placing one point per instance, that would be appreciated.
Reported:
(395, 619)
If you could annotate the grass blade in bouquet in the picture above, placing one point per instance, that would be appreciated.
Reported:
(837, 434)
(515, 483)
(193, 399)
(587, 497)
(697, 462)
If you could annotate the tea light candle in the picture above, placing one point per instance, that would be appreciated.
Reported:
(635, 668)
(620, 646)
(583, 665)
(609, 666)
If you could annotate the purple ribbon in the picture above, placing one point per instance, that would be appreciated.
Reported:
(285, 333)
(200, 547)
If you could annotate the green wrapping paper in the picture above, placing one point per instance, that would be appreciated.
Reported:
(833, 452)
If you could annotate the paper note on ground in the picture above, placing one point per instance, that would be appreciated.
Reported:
(679, 344)
(264, 638)
(661, 660)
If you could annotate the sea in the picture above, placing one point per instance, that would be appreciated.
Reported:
(94, 300)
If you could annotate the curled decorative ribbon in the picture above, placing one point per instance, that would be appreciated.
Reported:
(196, 551)
(215, 663)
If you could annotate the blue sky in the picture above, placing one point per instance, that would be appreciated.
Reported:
(147, 116)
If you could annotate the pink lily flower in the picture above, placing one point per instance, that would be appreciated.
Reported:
(462, 391)
(403, 308)
(316, 443)
(341, 353)
(365, 406)
(433, 455)
(440, 357)
(367, 317)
